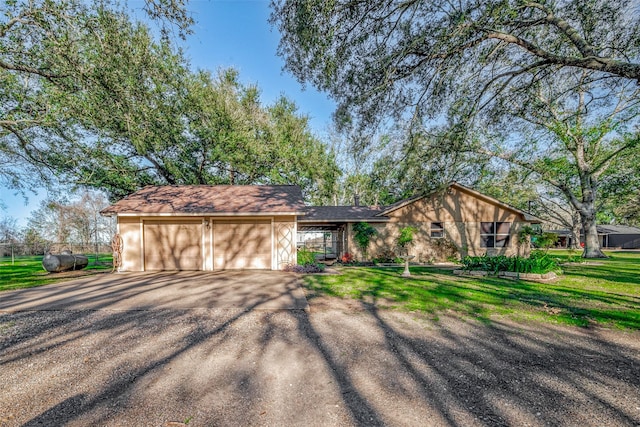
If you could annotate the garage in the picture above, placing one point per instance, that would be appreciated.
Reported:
(172, 246)
(242, 244)
(207, 227)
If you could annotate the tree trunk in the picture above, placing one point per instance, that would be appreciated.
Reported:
(591, 242)
(575, 232)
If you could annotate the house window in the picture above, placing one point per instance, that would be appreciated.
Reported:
(437, 230)
(494, 234)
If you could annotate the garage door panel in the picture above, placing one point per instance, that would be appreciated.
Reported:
(173, 246)
(242, 244)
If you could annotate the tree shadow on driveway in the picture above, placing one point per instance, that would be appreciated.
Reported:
(339, 365)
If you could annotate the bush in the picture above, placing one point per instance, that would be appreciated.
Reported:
(306, 257)
(305, 269)
(347, 258)
(538, 263)
(386, 257)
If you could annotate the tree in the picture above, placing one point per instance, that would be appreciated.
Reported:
(393, 58)
(59, 64)
(94, 100)
(75, 221)
(517, 187)
(481, 64)
(8, 229)
(34, 243)
(209, 130)
(620, 192)
(573, 131)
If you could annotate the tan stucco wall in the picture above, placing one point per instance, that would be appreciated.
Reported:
(130, 229)
(460, 213)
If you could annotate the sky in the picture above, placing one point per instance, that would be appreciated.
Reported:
(227, 33)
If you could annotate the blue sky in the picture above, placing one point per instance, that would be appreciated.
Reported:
(227, 33)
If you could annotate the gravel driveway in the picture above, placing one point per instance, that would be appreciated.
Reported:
(340, 363)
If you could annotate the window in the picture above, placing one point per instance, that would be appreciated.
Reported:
(494, 234)
(437, 230)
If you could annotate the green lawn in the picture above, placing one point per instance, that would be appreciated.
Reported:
(606, 294)
(27, 271)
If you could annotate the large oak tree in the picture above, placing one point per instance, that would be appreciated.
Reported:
(466, 62)
(93, 98)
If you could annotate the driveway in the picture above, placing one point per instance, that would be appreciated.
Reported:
(183, 349)
(244, 290)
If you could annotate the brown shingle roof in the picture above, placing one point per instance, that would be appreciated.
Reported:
(341, 213)
(210, 200)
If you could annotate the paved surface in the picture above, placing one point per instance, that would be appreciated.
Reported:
(246, 290)
(99, 360)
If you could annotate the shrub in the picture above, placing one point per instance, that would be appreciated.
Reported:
(537, 237)
(305, 257)
(538, 263)
(347, 258)
(386, 256)
(305, 269)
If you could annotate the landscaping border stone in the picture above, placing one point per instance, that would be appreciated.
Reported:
(511, 275)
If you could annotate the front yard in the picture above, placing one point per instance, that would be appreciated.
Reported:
(27, 271)
(596, 292)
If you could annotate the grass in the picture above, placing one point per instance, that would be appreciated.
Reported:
(27, 271)
(606, 294)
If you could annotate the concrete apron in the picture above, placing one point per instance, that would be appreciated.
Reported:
(182, 290)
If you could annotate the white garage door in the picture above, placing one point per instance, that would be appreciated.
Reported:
(242, 244)
(173, 245)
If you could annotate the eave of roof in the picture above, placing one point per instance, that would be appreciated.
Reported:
(341, 214)
(617, 229)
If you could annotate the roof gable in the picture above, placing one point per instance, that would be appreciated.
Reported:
(476, 194)
(210, 200)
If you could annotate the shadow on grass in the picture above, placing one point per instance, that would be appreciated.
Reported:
(483, 298)
(286, 367)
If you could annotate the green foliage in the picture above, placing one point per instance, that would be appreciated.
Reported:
(67, 69)
(543, 95)
(537, 263)
(306, 257)
(430, 50)
(387, 256)
(538, 238)
(363, 233)
(93, 98)
(405, 239)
